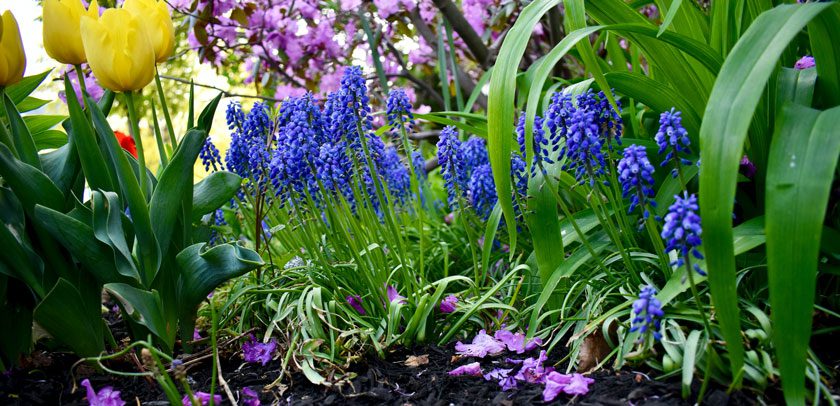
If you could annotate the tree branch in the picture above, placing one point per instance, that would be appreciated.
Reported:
(465, 31)
(225, 93)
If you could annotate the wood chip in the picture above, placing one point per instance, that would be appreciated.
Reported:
(415, 361)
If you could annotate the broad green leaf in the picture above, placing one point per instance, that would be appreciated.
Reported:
(21, 136)
(83, 137)
(489, 237)
(49, 139)
(31, 103)
(29, 184)
(795, 85)
(16, 339)
(41, 123)
(669, 18)
(202, 270)
(729, 112)
(500, 105)
(689, 359)
(213, 191)
(823, 32)
(20, 90)
(803, 156)
(72, 318)
(20, 260)
(174, 186)
(107, 227)
(145, 308)
(205, 119)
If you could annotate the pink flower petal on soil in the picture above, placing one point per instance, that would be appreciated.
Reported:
(473, 369)
(481, 346)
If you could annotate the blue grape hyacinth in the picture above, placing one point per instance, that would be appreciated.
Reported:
(396, 175)
(544, 147)
(682, 230)
(647, 311)
(584, 147)
(673, 137)
(210, 156)
(451, 164)
(481, 191)
(398, 111)
(635, 173)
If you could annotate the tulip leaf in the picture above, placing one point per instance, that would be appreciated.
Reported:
(49, 139)
(144, 307)
(213, 191)
(174, 187)
(83, 137)
(202, 270)
(29, 184)
(21, 136)
(205, 119)
(40, 123)
(31, 103)
(20, 90)
(149, 253)
(72, 318)
(107, 227)
(16, 339)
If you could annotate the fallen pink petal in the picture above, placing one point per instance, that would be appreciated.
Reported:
(482, 345)
(472, 369)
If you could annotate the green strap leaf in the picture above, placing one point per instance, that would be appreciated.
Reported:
(823, 32)
(82, 136)
(73, 318)
(213, 191)
(21, 137)
(803, 156)
(144, 307)
(729, 112)
(29, 184)
(20, 90)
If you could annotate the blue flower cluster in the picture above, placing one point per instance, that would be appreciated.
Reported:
(481, 191)
(398, 110)
(248, 155)
(586, 126)
(544, 147)
(450, 158)
(648, 313)
(682, 230)
(672, 137)
(635, 173)
(396, 175)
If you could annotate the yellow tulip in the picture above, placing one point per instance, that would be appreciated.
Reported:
(62, 36)
(118, 50)
(155, 19)
(12, 58)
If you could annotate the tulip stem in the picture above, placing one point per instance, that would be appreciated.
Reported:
(80, 76)
(169, 128)
(134, 128)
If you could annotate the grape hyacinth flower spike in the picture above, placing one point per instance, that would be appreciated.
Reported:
(635, 173)
(398, 110)
(451, 164)
(673, 138)
(682, 231)
(647, 311)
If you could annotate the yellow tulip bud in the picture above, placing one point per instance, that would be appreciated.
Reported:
(62, 35)
(155, 19)
(12, 58)
(118, 50)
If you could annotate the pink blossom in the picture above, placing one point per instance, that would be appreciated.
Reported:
(93, 89)
(574, 384)
(532, 370)
(355, 301)
(473, 369)
(516, 341)
(805, 62)
(502, 375)
(250, 397)
(196, 335)
(482, 345)
(350, 5)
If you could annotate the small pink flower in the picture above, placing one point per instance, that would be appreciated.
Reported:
(473, 369)
(449, 304)
(574, 384)
(394, 296)
(482, 345)
(805, 62)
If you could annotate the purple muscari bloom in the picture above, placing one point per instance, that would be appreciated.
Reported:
(333, 169)
(398, 110)
(482, 345)
(248, 154)
(250, 397)
(473, 369)
(805, 62)
(474, 154)
(682, 230)
(451, 164)
(106, 396)
(254, 351)
(544, 147)
(673, 138)
(203, 399)
(516, 341)
(636, 176)
(396, 175)
(356, 302)
(532, 370)
(747, 168)
(449, 304)
(210, 156)
(506, 381)
(574, 384)
(481, 191)
(419, 165)
(301, 132)
(394, 296)
(648, 313)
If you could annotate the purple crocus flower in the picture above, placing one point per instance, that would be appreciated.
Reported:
(250, 397)
(502, 375)
(516, 341)
(449, 304)
(106, 396)
(574, 384)
(805, 62)
(203, 399)
(482, 345)
(254, 351)
(394, 296)
(747, 168)
(355, 301)
(196, 335)
(473, 369)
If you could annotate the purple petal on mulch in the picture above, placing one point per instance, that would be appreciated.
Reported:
(203, 398)
(106, 396)
(254, 351)
(473, 369)
(574, 384)
(502, 375)
(250, 397)
(482, 345)
(516, 341)
(532, 370)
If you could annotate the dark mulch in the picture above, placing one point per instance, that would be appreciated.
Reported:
(46, 379)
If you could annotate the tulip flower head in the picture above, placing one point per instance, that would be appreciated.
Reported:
(156, 21)
(62, 29)
(118, 50)
(12, 58)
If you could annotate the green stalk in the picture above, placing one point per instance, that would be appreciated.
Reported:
(80, 76)
(415, 188)
(133, 122)
(169, 128)
(656, 240)
(606, 220)
(690, 272)
(5, 137)
(164, 160)
(213, 335)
